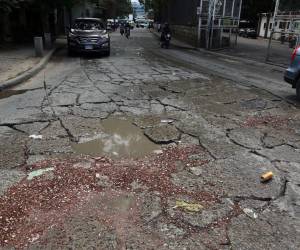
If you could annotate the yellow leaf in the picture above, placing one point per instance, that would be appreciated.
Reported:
(190, 207)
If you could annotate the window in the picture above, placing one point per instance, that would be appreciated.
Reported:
(265, 25)
(282, 25)
(88, 25)
(271, 25)
(276, 23)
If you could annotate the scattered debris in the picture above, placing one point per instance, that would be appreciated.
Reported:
(38, 173)
(34, 238)
(103, 180)
(166, 121)
(158, 152)
(267, 177)
(249, 212)
(276, 122)
(198, 171)
(36, 137)
(190, 207)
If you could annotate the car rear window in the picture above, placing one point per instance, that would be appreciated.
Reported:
(88, 25)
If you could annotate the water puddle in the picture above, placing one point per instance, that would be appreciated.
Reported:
(7, 93)
(120, 138)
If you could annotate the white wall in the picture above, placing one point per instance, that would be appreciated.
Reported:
(280, 25)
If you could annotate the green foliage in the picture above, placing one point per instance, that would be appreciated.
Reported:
(8, 5)
(158, 6)
(252, 8)
(123, 7)
(289, 5)
(116, 8)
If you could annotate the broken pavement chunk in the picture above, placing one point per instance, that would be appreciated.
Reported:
(38, 173)
(249, 212)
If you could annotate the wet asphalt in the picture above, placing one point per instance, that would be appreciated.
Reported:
(116, 152)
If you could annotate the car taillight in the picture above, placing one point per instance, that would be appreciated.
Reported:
(294, 54)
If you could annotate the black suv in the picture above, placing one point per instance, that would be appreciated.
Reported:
(88, 35)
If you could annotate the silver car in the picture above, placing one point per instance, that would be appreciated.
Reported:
(88, 35)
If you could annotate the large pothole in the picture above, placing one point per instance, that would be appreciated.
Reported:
(120, 138)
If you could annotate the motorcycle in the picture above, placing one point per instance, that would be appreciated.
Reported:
(122, 31)
(166, 41)
(127, 33)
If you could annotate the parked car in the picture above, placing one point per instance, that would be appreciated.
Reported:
(88, 35)
(248, 33)
(242, 32)
(292, 74)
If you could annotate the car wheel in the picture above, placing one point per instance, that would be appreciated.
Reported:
(298, 89)
(70, 52)
(107, 53)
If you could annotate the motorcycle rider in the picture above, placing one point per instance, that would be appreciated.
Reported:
(122, 28)
(127, 29)
(165, 31)
(165, 36)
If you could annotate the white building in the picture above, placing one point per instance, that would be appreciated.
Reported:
(138, 10)
(288, 22)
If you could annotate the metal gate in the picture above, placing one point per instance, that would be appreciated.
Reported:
(285, 32)
(218, 23)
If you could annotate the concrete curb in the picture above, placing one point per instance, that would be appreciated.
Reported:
(29, 73)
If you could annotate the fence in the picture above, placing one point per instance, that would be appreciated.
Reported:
(218, 23)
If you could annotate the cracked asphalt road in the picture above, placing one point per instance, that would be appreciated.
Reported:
(215, 138)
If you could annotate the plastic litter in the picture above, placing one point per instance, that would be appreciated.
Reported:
(36, 137)
(166, 121)
(190, 207)
(267, 177)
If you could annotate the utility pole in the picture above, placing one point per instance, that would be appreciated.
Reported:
(199, 13)
(273, 28)
(238, 24)
(211, 5)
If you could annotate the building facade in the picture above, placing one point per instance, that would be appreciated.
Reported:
(286, 22)
(138, 10)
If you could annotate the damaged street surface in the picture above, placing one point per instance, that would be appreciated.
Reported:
(141, 151)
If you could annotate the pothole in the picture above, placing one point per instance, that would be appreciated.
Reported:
(120, 138)
(7, 93)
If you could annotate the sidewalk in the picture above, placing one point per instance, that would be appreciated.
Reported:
(256, 49)
(18, 63)
(16, 60)
(249, 57)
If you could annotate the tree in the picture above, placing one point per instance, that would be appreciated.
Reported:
(252, 9)
(8, 5)
(289, 5)
(158, 7)
(124, 7)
